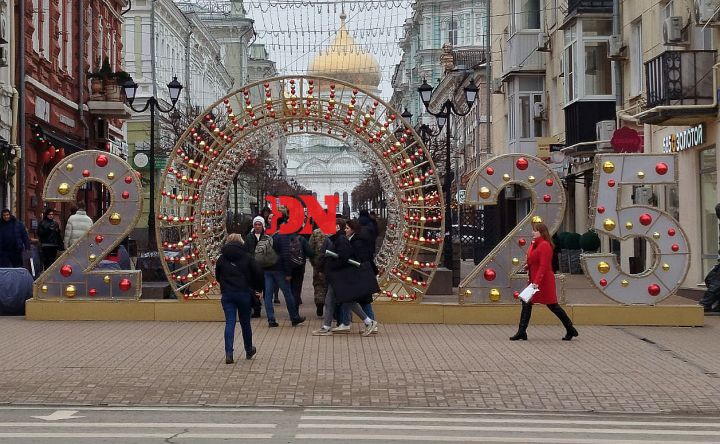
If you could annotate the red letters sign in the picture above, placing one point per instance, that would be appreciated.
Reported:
(298, 221)
(626, 140)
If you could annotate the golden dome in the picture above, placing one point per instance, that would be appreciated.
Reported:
(346, 60)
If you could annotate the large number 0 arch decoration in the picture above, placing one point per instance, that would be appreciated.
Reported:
(72, 275)
(198, 174)
(661, 230)
(496, 278)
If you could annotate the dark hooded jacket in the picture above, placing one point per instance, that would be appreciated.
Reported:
(13, 240)
(236, 270)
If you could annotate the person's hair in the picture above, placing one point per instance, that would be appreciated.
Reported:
(48, 211)
(544, 232)
(235, 238)
(354, 225)
(340, 222)
(81, 206)
(364, 213)
(6, 210)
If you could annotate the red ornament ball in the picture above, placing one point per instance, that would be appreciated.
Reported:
(125, 194)
(92, 292)
(522, 242)
(489, 274)
(611, 183)
(521, 163)
(675, 247)
(547, 198)
(603, 282)
(99, 239)
(671, 232)
(128, 179)
(125, 284)
(516, 294)
(601, 210)
(101, 160)
(654, 289)
(661, 168)
(646, 219)
(86, 173)
(549, 182)
(66, 270)
(490, 171)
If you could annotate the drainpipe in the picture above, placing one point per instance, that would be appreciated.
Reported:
(81, 70)
(22, 140)
(188, 89)
(488, 81)
(617, 67)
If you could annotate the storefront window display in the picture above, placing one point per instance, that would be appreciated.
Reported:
(708, 196)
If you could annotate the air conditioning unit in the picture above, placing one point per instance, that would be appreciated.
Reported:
(604, 130)
(543, 43)
(538, 110)
(707, 12)
(672, 30)
(616, 47)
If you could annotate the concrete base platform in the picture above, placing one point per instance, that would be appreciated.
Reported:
(387, 313)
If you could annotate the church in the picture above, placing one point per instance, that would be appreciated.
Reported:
(322, 164)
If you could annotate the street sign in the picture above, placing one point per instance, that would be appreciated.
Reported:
(461, 197)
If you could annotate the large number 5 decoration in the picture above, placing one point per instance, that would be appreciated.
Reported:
(661, 230)
(496, 278)
(71, 275)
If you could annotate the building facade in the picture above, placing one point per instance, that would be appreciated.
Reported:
(9, 99)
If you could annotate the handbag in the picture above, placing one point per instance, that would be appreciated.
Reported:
(528, 293)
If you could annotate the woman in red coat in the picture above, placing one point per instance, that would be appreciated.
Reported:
(540, 275)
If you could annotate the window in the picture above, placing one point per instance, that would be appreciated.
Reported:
(525, 93)
(35, 23)
(587, 69)
(45, 47)
(68, 39)
(708, 196)
(525, 15)
(453, 32)
(636, 59)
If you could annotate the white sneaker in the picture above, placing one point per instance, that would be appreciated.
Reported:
(375, 330)
(369, 328)
(322, 331)
(342, 328)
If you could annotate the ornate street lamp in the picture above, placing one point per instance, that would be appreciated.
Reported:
(443, 119)
(130, 88)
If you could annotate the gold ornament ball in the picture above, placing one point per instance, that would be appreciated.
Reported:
(608, 167)
(666, 267)
(70, 291)
(111, 175)
(484, 192)
(69, 167)
(531, 179)
(629, 225)
(106, 279)
(640, 175)
(44, 289)
(63, 188)
(92, 257)
(506, 177)
(609, 224)
(115, 218)
(603, 267)
(468, 293)
(537, 220)
(494, 295)
(515, 261)
(624, 283)
(656, 235)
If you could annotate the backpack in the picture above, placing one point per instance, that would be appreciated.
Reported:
(265, 254)
(296, 253)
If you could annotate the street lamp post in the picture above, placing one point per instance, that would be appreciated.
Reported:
(443, 118)
(130, 88)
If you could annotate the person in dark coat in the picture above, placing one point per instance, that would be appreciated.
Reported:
(251, 240)
(239, 276)
(14, 241)
(51, 240)
(371, 230)
(360, 241)
(541, 277)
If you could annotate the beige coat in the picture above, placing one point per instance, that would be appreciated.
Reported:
(77, 225)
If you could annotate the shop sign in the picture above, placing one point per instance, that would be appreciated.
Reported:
(543, 146)
(626, 140)
(684, 140)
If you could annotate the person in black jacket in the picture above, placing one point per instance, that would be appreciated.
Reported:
(251, 240)
(50, 238)
(239, 276)
(14, 241)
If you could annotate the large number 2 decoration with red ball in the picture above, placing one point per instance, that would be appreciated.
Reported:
(72, 275)
(497, 278)
(661, 230)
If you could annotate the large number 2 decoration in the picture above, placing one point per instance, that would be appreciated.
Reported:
(496, 278)
(70, 276)
(661, 230)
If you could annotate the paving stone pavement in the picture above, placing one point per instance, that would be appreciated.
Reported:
(627, 369)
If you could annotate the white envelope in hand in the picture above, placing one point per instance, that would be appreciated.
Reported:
(528, 293)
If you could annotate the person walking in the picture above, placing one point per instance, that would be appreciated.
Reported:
(319, 243)
(541, 277)
(51, 240)
(256, 234)
(361, 242)
(239, 276)
(14, 241)
(77, 225)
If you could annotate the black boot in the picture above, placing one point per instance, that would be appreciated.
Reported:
(570, 331)
(524, 321)
(319, 310)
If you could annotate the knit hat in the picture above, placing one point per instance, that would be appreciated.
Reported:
(259, 219)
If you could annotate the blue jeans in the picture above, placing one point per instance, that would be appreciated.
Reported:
(346, 317)
(273, 280)
(232, 304)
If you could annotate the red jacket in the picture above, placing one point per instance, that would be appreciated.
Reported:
(540, 271)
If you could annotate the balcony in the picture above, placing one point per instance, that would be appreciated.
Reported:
(680, 88)
(521, 55)
(107, 100)
(589, 6)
